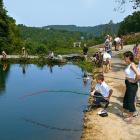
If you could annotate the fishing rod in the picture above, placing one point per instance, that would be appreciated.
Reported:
(50, 127)
(74, 72)
(48, 91)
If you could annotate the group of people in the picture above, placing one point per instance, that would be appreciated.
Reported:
(102, 92)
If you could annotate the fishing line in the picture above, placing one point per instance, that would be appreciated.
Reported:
(75, 72)
(50, 127)
(47, 91)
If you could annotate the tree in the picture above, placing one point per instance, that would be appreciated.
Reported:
(121, 4)
(9, 34)
(130, 24)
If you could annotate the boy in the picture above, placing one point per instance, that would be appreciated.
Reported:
(102, 92)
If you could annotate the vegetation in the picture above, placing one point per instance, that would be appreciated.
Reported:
(9, 33)
(132, 38)
(43, 40)
(95, 31)
(130, 24)
(85, 65)
(121, 3)
(130, 28)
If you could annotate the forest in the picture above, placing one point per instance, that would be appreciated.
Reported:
(59, 38)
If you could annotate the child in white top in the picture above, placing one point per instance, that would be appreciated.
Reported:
(102, 91)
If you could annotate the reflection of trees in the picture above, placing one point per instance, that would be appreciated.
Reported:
(85, 78)
(4, 71)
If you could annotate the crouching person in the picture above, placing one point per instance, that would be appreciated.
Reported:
(101, 93)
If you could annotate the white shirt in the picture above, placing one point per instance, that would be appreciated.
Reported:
(106, 56)
(103, 88)
(117, 39)
(129, 72)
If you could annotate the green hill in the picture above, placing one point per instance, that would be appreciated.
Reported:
(94, 31)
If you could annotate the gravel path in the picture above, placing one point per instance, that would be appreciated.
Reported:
(112, 127)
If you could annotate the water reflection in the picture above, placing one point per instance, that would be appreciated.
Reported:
(4, 71)
(50, 68)
(85, 80)
(52, 106)
(24, 68)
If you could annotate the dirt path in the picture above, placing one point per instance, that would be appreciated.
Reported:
(112, 127)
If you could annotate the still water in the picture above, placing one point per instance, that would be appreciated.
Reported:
(42, 103)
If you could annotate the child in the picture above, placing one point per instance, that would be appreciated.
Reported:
(102, 92)
(106, 61)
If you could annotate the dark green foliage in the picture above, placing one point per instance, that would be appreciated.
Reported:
(60, 38)
(99, 30)
(43, 40)
(8, 31)
(130, 24)
(85, 65)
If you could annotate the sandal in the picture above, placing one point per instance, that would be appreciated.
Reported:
(128, 119)
(124, 115)
(136, 114)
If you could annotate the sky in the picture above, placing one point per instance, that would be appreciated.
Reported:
(38, 13)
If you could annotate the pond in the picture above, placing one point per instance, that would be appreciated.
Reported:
(42, 103)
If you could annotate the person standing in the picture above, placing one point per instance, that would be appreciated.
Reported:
(117, 42)
(135, 50)
(121, 42)
(106, 44)
(131, 78)
(109, 50)
(138, 57)
(85, 51)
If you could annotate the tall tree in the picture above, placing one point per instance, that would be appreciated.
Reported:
(8, 30)
(130, 24)
(1, 5)
(121, 4)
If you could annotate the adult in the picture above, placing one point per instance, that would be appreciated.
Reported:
(106, 43)
(23, 51)
(117, 42)
(85, 51)
(109, 49)
(138, 58)
(121, 42)
(131, 78)
(51, 55)
(107, 59)
(138, 54)
(135, 50)
(4, 55)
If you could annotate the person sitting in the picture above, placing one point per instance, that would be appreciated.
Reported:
(23, 51)
(97, 58)
(101, 93)
(4, 55)
(85, 51)
(51, 55)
